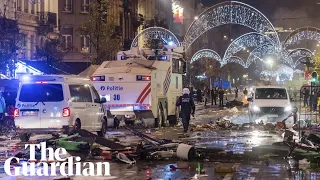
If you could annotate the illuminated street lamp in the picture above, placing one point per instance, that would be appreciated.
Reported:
(270, 61)
(196, 17)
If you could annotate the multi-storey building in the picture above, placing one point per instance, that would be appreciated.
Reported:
(30, 14)
(72, 13)
(155, 8)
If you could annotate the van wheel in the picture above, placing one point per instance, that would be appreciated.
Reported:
(103, 130)
(77, 126)
(161, 117)
(25, 137)
(165, 121)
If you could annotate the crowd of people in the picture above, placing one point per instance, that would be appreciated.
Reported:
(311, 98)
(214, 95)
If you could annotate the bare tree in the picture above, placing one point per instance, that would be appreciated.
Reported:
(102, 30)
(10, 40)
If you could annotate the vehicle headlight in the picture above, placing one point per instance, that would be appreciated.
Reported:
(288, 109)
(255, 108)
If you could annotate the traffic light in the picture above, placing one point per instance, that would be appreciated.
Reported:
(314, 76)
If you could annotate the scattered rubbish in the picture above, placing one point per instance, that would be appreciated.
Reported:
(269, 126)
(233, 110)
(174, 168)
(224, 168)
(234, 103)
(304, 164)
(282, 151)
(224, 123)
(186, 152)
(123, 158)
(148, 131)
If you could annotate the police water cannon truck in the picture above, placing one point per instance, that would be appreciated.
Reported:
(142, 84)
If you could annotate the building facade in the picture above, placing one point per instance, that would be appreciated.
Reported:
(151, 9)
(72, 13)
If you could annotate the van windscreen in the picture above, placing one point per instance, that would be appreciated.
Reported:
(271, 93)
(41, 93)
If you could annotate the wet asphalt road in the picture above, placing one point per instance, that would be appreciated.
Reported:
(237, 142)
(230, 141)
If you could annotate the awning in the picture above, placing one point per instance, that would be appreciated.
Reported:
(59, 68)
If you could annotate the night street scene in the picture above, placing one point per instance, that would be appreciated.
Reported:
(159, 89)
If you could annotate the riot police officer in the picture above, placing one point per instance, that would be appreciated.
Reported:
(187, 107)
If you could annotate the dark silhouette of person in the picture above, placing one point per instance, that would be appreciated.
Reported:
(236, 91)
(199, 96)
(187, 108)
(245, 92)
(221, 94)
(306, 95)
(214, 94)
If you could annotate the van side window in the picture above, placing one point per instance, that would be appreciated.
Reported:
(80, 93)
(175, 65)
(96, 95)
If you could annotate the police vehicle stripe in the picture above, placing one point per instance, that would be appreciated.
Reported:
(142, 93)
(145, 95)
(167, 81)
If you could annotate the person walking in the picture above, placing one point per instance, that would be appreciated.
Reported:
(221, 94)
(245, 92)
(187, 108)
(236, 91)
(206, 95)
(306, 96)
(199, 96)
(314, 101)
(214, 94)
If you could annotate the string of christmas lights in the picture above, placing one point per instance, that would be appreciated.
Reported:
(249, 40)
(155, 33)
(259, 52)
(234, 59)
(299, 55)
(205, 53)
(230, 12)
(281, 70)
(300, 34)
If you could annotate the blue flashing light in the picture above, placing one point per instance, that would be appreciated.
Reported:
(170, 43)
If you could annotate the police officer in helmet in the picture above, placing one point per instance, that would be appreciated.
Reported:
(187, 107)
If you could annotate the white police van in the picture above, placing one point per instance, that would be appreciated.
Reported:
(270, 104)
(58, 104)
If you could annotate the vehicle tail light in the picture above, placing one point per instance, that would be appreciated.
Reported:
(66, 112)
(16, 112)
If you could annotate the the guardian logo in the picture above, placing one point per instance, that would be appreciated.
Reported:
(53, 161)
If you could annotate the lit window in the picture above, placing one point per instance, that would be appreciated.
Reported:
(67, 37)
(19, 3)
(26, 6)
(67, 40)
(85, 44)
(68, 6)
(85, 6)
